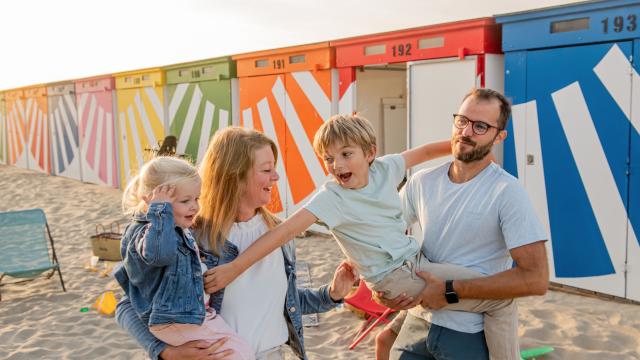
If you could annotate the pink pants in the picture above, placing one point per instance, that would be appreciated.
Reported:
(213, 328)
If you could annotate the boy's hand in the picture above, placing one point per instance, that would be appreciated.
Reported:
(343, 280)
(219, 277)
(162, 193)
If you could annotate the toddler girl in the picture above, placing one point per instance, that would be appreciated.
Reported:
(163, 269)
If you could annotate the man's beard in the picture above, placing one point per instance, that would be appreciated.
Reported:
(478, 152)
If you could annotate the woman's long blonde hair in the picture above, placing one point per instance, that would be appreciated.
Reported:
(224, 171)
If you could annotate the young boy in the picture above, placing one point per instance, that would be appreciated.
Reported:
(363, 211)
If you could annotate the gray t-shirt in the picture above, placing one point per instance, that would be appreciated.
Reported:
(368, 222)
(473, 224)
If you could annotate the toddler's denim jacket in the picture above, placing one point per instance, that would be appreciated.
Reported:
(298, 301)
(161, 272)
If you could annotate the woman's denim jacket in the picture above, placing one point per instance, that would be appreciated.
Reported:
(298, 301)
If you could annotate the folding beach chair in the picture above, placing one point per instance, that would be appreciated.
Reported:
(375, 313)
(23, 245)
(168, 146)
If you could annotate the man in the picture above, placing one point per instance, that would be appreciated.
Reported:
(476, 215)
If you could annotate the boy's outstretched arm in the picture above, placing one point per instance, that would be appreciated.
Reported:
(426, 152)
(220, 276)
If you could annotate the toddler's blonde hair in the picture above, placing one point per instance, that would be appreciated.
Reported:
(159, 171)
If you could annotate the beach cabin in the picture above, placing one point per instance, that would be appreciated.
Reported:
(3, 131)
(409, 83)
(98, 132)
(63, 120)
(572, 73)
(141, 119)
(199, 95)
(287, 94)
(37, 133)
(16, 128)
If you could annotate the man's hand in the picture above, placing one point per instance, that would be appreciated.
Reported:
(400, 302)
(432, 296)
(197, 350)
(219, 277)
(162, 193)
(343, 279)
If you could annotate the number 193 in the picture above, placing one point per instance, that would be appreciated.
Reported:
(619, 23)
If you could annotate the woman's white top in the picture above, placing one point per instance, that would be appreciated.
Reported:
(253, 303)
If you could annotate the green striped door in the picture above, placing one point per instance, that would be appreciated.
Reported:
(199, 103)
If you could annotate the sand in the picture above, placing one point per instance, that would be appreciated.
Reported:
(39, 321)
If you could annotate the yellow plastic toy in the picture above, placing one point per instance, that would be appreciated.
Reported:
(106, 303)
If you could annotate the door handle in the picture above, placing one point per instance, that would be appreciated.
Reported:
(530, 159)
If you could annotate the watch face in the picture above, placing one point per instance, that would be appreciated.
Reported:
(452, 297)
(449, 293)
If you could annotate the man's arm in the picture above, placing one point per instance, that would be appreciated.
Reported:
(529, 276)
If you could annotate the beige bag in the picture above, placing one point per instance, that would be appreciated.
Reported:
(106, 244)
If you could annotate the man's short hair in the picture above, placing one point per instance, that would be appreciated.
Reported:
(351, 130)
(488, 94)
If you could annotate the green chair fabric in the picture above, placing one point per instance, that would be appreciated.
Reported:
(23, 245)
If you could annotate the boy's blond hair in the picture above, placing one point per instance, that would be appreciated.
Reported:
(347, 129)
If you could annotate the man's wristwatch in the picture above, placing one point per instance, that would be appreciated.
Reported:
(449, 293)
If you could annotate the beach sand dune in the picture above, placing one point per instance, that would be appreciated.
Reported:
(39, 321)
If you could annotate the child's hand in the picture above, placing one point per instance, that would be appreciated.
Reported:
(343, 279)
(162, 193)
(219, 277)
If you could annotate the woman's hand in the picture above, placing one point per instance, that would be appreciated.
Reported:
(219, 277)
(343, 279)
(197, 350)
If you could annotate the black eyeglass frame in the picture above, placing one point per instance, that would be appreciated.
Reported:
(473, 122)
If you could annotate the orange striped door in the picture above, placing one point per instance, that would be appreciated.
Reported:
(37, 120)
(17, 141)
(290, 108)
(260, 110)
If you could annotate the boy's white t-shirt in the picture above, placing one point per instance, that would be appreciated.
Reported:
(368, 222)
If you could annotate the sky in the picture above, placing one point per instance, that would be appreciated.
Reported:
(45, 41)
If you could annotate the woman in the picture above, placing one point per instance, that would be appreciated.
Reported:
(238, 173)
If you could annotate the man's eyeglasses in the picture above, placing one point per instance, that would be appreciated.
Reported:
(478, 127)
